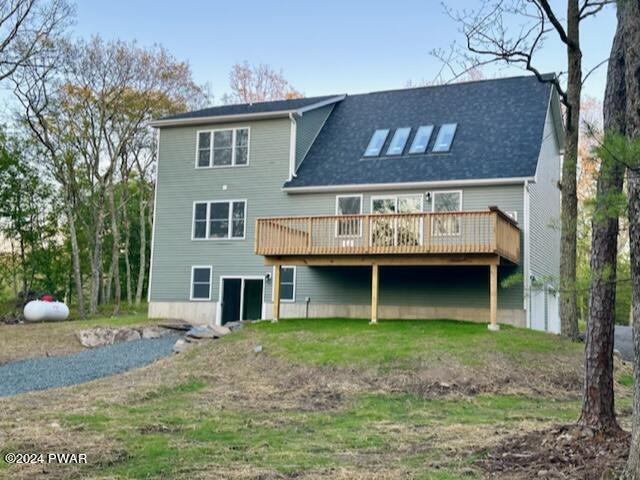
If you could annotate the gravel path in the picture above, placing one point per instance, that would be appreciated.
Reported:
(51, 372)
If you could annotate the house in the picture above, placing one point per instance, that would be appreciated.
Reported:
(430, 202)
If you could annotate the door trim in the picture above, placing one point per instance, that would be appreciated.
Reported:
(243, 278)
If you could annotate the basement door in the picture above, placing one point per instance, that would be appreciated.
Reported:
(242, 298)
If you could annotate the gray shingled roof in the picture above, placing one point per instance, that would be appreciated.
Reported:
(500, 129)
(250, 108)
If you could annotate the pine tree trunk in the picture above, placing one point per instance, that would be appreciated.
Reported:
(569, 205)
(598, 410)
(142, 270)
(632, 76)
(115, 251)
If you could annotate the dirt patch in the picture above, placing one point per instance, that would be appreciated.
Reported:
(561, 452)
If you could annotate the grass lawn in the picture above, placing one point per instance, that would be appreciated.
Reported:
(332, 398)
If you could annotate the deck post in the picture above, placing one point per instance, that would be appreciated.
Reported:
(276, 293)
(374, 294)
(493, 300)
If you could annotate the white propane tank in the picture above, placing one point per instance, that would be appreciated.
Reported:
(39, 311)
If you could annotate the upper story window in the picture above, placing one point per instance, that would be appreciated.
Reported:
(220, 220)
(445, 137)
(421, 139)
(348, 205)
(376, 143)
(398, 141)
(223, 148)
(446, 202)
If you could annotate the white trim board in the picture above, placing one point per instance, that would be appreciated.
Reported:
(408, 185)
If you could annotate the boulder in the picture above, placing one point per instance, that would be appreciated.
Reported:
(153, 332)
(233, 326)
(96, 337)
(180, 346)
(126, 334)
(201, 332)
(220, 331)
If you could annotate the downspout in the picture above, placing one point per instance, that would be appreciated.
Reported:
(525, 266)
(292, 146)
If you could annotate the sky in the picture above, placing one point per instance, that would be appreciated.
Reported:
(323, 47)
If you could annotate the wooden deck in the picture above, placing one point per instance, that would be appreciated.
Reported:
(419, 238)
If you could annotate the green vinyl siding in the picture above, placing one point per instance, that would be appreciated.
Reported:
(544, 205)
(180, 184)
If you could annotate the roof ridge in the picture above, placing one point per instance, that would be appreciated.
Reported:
(445, 85)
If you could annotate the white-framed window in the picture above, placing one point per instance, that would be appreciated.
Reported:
(201, 282)
(287, 284)
(227, 147)
(405, 231)
(446, 201)
(219, 220)
(349, 205)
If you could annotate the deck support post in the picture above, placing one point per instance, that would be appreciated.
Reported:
(493, 298)
(276, 293)
(374, 294)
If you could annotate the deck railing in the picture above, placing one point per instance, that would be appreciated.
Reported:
(468, 232)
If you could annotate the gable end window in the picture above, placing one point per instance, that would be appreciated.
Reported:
(200, 283)
(223, 148)
(219, 220)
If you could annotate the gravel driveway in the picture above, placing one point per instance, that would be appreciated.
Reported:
(51, 372)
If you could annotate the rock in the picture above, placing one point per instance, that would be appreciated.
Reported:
(201, 332)
(233, 326)
(180, 346)
(542, 473)
(126, 334)
(96, 337)
(257, 349)
(220, 331)
(180, 325)
(153, 332)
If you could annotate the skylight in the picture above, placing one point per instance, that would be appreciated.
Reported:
(376, 143)
(399, 140)
(445, 137)
(421, 140)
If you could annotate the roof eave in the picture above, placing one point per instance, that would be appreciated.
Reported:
(408, 185)
(242, 117)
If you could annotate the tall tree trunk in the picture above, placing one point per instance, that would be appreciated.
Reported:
(96, 259)
(75, 259)
(127, 260)
(142, 270)
(115, 250)
(569, 206)
(632, 77)
(598, 410)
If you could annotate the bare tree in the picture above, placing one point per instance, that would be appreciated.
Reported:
(490, 38)
(598, 400)
(258, 83)
(26, 29)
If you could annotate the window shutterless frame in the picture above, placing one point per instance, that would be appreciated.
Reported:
(337, 233)
(229, 219)
(233, 147)
(456, 221)
(203, 267)
(295, 276)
